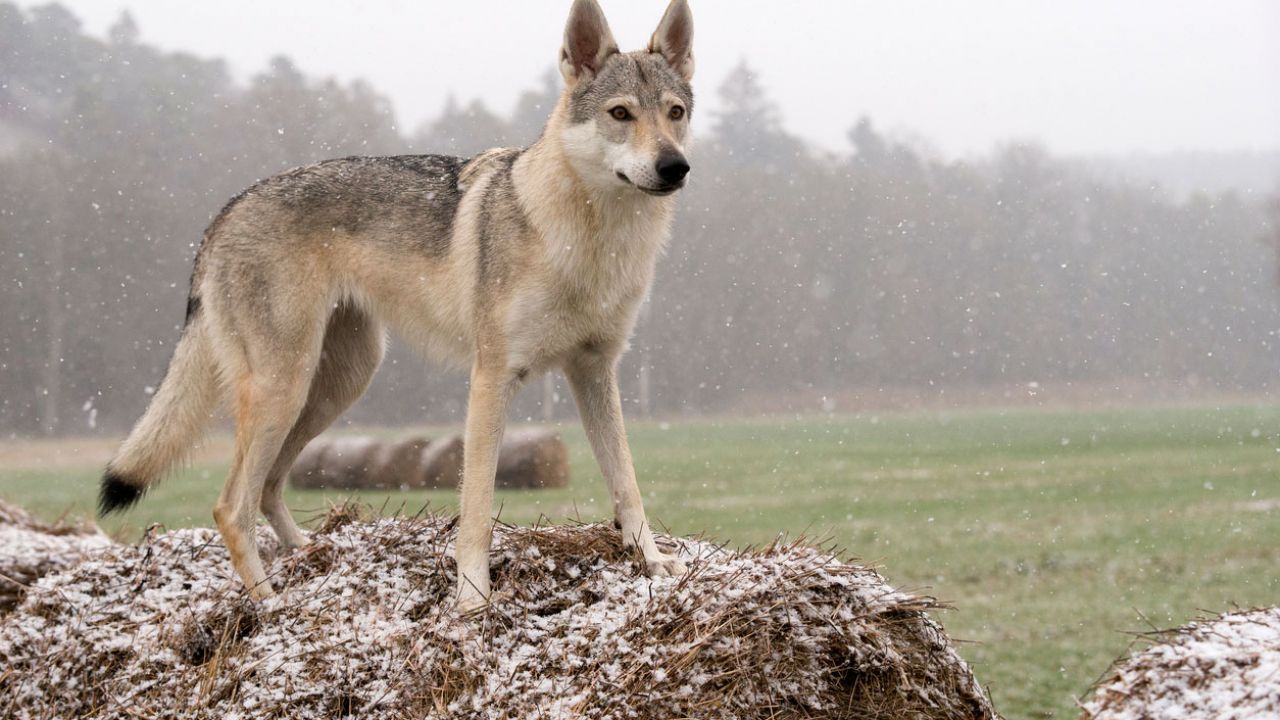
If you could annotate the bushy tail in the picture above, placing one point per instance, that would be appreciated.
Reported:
(173, 421)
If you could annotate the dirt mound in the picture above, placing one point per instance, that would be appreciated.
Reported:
(363, 628)
(30, 549)
(1223, 667)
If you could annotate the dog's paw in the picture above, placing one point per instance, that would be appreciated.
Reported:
(477, 605)
(292, 545)
(664, 566)
(470, 604)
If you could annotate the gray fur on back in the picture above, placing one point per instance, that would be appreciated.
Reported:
(390, 198)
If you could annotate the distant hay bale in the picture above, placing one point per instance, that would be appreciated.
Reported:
(363, 627)
(1211, 669)
(529, 458)
(532, 458)
(30, 549)
(359, 463)
(442, 462)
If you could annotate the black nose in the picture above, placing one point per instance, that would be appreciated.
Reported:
(672, 168)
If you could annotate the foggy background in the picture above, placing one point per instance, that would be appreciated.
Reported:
(932, 204)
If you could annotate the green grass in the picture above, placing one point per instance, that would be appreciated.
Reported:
(1053, 533)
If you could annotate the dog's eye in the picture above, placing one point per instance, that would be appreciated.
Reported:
(676, 112)
(620, 113)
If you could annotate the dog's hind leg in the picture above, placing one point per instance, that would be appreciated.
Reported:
(267, 405)
(280, 355)
(353, 348)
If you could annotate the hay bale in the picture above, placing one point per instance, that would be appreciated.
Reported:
(30, 549)
(532, 458)
(442, 462)
(529, 458)
(363, 627)
(1222, 667)
(399, 463)
(339, 463)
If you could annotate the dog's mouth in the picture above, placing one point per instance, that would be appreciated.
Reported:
(657, 192)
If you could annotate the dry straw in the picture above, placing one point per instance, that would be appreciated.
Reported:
(30, 549)
(1225, 667)
(363, 628)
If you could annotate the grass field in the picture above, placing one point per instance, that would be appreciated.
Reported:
(1053, 533)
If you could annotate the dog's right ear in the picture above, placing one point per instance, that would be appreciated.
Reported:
(587, 42)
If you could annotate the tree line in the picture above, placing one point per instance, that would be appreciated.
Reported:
(795, 279)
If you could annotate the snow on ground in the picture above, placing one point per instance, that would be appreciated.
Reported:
(1226, 668)
(363, 628)
(30, 549)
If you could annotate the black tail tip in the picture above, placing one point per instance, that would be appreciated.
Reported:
(116, 493)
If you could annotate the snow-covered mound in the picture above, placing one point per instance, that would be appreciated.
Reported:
(363, 628)
(1227, 668)
(30, 549)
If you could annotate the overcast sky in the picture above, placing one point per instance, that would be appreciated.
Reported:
(1081, 76)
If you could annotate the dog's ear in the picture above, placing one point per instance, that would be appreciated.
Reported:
(674, 38)
(587, 42)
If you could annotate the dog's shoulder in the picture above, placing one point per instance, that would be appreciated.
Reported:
(493, 160)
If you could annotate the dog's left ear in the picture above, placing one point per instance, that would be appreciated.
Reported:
(674, 38)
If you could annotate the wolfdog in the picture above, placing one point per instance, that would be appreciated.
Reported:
(514, 262)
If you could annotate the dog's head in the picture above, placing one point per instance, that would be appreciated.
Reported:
(628, 113)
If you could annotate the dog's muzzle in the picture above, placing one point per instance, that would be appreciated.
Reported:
(670, 168)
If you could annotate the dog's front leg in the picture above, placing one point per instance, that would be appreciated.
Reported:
(593, 377)
(491, 391)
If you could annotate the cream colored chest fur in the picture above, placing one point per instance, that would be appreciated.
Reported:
(589, 285)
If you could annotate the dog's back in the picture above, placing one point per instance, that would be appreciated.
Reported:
(381, 199)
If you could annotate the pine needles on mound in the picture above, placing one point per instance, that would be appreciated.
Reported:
(30, 549)
(363, 627)
(1223, 668)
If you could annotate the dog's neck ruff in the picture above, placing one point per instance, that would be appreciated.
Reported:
(566, 209)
